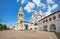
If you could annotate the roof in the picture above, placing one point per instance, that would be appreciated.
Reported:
(27, 22)
(50, 14)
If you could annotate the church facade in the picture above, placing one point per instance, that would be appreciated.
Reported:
(37, 22)
(23, 25)
(34, 19)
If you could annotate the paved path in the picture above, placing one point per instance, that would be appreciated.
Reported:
(27, 35)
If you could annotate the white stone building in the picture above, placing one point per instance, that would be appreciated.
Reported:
(32, 25)
(37, 22)
(34, 19)
(50, 22)
(23, 25)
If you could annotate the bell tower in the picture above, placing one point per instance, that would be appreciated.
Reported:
(20, 16)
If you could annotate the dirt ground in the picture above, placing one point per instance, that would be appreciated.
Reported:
(11, 34)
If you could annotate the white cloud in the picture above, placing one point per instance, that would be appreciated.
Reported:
(49, 8)
(29, 7)
(40, 4)
(37, 2)
(50, 1)
(48, 12)
(43, 5)
(17, 0)
(24, 1)
(54, 6)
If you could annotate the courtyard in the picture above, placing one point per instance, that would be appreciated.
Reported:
(11, 34)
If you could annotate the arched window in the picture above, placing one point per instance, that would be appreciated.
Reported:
(59, 15)
(54, 17)
(43, 21)
(46, 20)
(49, 19)
(20, 14)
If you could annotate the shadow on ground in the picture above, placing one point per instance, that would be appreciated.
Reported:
(57, 34)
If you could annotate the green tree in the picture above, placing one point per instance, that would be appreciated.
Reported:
(3, 27)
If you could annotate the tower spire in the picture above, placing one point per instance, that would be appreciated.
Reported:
(20, 16)
(20, 10)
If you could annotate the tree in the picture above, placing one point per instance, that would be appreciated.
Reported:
(3, 27)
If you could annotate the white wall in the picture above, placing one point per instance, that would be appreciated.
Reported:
(56, 22)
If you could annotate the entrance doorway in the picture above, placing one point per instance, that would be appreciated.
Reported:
(26, 26)
(53, 27)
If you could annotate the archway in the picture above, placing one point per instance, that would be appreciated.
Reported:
(53, 27)
(45, 27)
(26, 26)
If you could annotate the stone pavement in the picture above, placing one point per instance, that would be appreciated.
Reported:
(11, 34)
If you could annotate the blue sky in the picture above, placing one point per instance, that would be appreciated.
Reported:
(9, 9)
